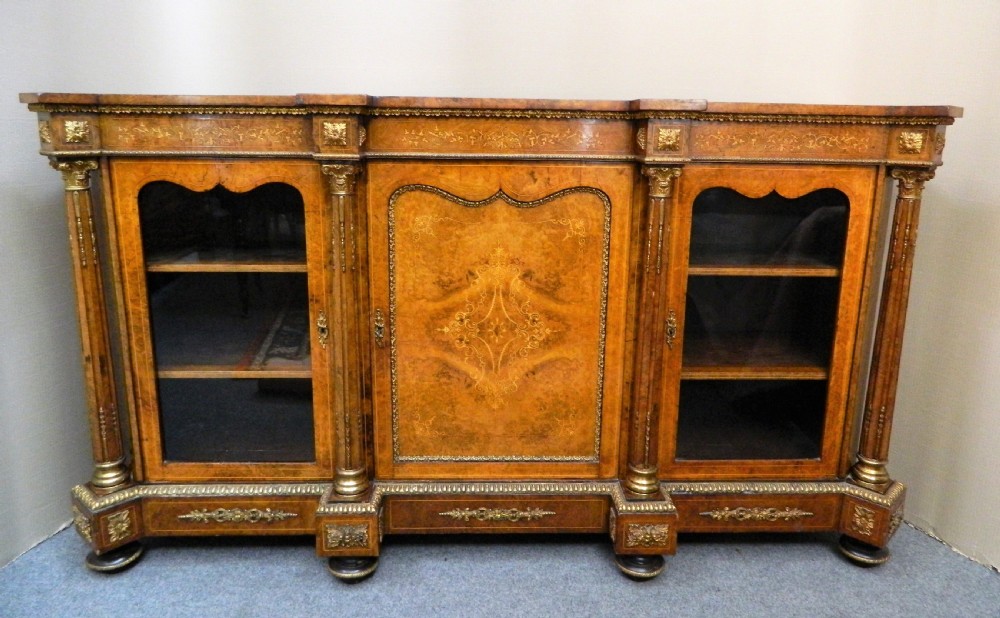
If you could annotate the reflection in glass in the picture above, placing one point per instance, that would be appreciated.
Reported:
(229, 317)
(232, 420)
(760, 321)
(730, 228)
(182, 227)
(750, 419)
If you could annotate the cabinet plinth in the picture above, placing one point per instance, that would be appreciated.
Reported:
(354, 316)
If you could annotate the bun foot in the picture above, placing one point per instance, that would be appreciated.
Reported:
(640, 568)
(116, 560)
(863, 554)
(352, 570)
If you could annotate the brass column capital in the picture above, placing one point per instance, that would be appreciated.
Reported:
(75, 173)
(911, 181)
(343, 177)
(661, 179)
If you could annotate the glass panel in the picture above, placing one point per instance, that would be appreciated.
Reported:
(229, 315)
(759, 326)
(750, 419)
(221, 229)
(779, 321)
(230, 322)
(231, 420)
(728, 228)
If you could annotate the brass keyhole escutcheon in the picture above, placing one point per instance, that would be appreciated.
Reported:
(379, 328)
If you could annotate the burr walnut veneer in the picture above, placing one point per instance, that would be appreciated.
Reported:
(349, 316)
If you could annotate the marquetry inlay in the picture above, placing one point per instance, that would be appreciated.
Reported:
(500, 139)
(497, 327)
(492, 328)
(222, 133)
(783, 141)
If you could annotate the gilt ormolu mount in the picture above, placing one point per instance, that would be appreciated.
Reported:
(348, 316)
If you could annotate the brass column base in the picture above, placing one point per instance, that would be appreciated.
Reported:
(110, 475)
(350, 482)
(870, 474)
(642, 481)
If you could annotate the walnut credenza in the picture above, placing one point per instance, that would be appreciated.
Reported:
(348, 316)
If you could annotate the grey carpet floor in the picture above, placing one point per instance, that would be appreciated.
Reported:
(713, 575)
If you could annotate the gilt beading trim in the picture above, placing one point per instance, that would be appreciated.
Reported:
(430, 112)
(611, 489)
(96, 502)
(779, 488)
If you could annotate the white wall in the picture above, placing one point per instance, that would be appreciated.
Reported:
(856, 51)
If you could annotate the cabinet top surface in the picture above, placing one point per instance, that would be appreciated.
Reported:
(363, 104)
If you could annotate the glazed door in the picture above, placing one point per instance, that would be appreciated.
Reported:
(498, 310)
(765, 282)
(223, 269)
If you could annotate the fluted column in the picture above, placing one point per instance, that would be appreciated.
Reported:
(873, 450)
(642, 474)
(349, 329)
(110, 469)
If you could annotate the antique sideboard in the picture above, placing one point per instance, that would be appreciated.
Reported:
(353, 316)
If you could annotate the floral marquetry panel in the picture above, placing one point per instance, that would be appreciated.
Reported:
(480, 303)
(498, 316)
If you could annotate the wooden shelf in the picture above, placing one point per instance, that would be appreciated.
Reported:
(757, 265)
(751, 357)
(753, 372)
(191, 260)
(777, 270)
(233, 371)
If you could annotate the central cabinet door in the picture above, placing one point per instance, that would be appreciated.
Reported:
(498, 301)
